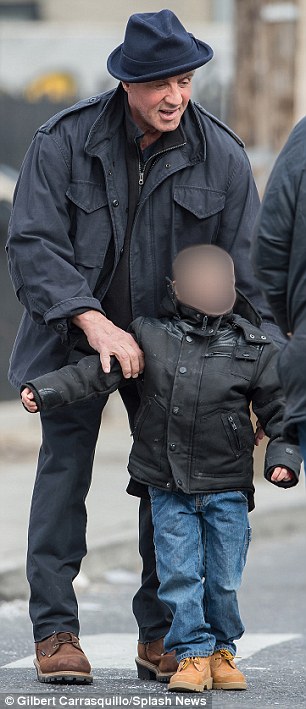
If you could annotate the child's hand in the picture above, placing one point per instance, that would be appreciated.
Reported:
(282, 474)
(27, 398)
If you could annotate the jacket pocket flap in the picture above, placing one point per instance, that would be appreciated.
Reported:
(89, 196)
(246, 353)
(202, 202)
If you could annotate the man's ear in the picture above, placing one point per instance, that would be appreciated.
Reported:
(125, 86)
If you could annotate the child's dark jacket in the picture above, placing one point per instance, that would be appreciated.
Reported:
(193, 428)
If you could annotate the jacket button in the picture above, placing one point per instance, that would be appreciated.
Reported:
(60, 327)
(115, 203)
(167, 165)
(189, 339)
(175, 409)
(183, 370)
(168, 485)
(252, 337)
(179, 482)
(91, 100)
(263, 337)
(172, 446)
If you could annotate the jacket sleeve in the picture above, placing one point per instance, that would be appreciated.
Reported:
(40, 251)
(268, 405)
(236, 235)
(274, 230)
(75, 382)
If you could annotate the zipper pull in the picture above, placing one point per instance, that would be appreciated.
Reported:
(232, 422)
(204, 324)
(141, 174)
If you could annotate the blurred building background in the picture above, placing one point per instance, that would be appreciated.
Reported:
(52, 53)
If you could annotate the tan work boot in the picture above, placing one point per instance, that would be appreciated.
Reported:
(153, 664)
(59, 658)
(193, 675)
(224, 672)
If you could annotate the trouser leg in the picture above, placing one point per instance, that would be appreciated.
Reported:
(180, 567)
(227, 536)
(152, 615)
(57, 528)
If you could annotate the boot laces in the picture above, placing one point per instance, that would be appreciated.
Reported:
(226, 654)
(189, 661)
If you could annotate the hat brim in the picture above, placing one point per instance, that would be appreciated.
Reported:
(204, 55)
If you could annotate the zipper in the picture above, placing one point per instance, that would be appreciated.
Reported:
(142, 167)
(235, 430)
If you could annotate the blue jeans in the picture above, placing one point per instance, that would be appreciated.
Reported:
(196, 537)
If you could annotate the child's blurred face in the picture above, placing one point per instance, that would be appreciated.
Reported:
(206, 283)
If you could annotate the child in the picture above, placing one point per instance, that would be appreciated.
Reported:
(193, 446)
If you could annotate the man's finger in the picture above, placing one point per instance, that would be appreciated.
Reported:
(105, 361)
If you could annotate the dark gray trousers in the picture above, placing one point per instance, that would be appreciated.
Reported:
(57, 529)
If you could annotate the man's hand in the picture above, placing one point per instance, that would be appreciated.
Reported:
(27, 398)
(107, 339)
(282, 474)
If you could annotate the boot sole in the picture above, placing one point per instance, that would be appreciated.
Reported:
(148, 671)
(230, 685)
(66, 676)
(190, 687)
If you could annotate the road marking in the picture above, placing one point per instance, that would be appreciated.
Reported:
(117, 650)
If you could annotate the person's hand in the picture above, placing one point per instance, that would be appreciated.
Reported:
(280, 473)
(27, 398)
(259, 434)
(108, 339)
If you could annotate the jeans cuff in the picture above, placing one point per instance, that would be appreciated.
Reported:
(223, 647)
(184, 655)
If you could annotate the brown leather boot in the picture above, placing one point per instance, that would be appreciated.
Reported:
(60, 658)
(153, 664)
(193, 675)
(224, 672)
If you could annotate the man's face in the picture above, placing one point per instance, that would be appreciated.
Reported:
(159, 105)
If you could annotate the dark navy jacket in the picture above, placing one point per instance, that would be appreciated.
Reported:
(280, 263)
(72, 199)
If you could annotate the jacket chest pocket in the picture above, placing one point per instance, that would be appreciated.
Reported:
(91, 227)
(244, 361)
(196, 215)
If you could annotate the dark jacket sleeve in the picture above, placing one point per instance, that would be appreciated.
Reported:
(276, 222)
(81, 381)
(75, 382)
(268, 405)
(236, 234)
(40, 251)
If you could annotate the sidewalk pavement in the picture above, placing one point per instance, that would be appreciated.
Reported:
(112, 514)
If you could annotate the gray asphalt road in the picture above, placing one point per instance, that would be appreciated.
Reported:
(273, 605)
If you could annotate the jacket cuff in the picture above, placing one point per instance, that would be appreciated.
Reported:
(281, 454)
(59, 316)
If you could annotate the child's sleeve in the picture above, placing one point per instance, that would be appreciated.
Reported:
(268, 405)
(75, 382)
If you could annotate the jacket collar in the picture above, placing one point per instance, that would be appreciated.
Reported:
(245, 317)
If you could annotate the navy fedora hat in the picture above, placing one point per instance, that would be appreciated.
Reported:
(156, 46)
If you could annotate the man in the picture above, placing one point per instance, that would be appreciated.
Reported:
(110, 190)
(280, 264)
